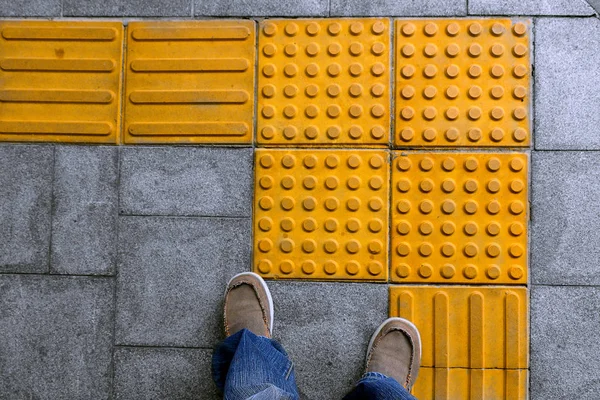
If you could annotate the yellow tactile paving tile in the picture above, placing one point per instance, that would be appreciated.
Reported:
(466, 326)
(324, 82)
(476, 384)
(462, 82)
(60, 81)
(190, 82)
(459, 217)
(321, 214)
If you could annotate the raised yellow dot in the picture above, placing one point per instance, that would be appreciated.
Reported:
(425, 228)
(430, 50)
(448, 249)
(286, 245)
(430, 29)
(448, 228)
(334, 28)
(355, 69)
(355, 49)
(330, 267)
(475, 29)
(493, 229)
(403, 227)
(309, 224)
(407, 92)
(407, 134)
(470, 228)
(425, 249)
(452, 50)
(448, 185)
(312, 29)
(353, 225)
(425, 271)
(475, 50)
(353, 204)
(408, 29)
(269, 29)
(309, 267)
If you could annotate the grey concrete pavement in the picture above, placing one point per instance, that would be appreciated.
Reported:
(326, 327)
(565, 342)
(84, 234)
(400, 8)
(172, 275)
(127, 8)
(260, 8)
(56, 337)
(186, 181)
(163, 373)
(25, 207)
(530, 7)
(567, 84)
(565, 218)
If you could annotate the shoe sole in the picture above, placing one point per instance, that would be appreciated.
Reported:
(404, 321)
(265, 288)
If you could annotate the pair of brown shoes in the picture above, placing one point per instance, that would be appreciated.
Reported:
(394, 350)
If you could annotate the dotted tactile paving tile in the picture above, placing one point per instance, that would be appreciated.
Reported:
(466, 326)
(190, 82)
(60, 81)
(324, 82)
(459, 218)
(321, 214)
(458, 383)
(462, 83)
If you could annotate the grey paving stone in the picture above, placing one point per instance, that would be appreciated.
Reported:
(565, 342)
(565, 218)
(127, 8)
(30, 8)
(245, 8)
(161, 373)
(595, 5)
(186, 181)
(84, 221)
(56, 337)
(171, 276)
(325, 328)
(25, 204)
(567, 83)
(530, 7)
(403, 8)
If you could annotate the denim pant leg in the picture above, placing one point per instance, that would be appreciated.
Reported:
(247, 366)
(376, 386)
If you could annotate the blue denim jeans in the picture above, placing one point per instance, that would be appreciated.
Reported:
(246, 366)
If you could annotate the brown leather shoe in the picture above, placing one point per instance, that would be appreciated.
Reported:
(248, 304)
(395, 351)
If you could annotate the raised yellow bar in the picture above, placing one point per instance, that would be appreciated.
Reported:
(472, 384)
(465, 326)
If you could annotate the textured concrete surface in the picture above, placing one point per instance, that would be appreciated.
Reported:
(186, 181)
(567, 83)
(30, 8)
(530, 7)
(56, 337)
(325, 328)
(84, 235)
(25, 204)
(172, 274)
(158, 374)
(127, 8)
(565, 218)
(288, 8)
(400, 8)
(565, 342)
(595, 5)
